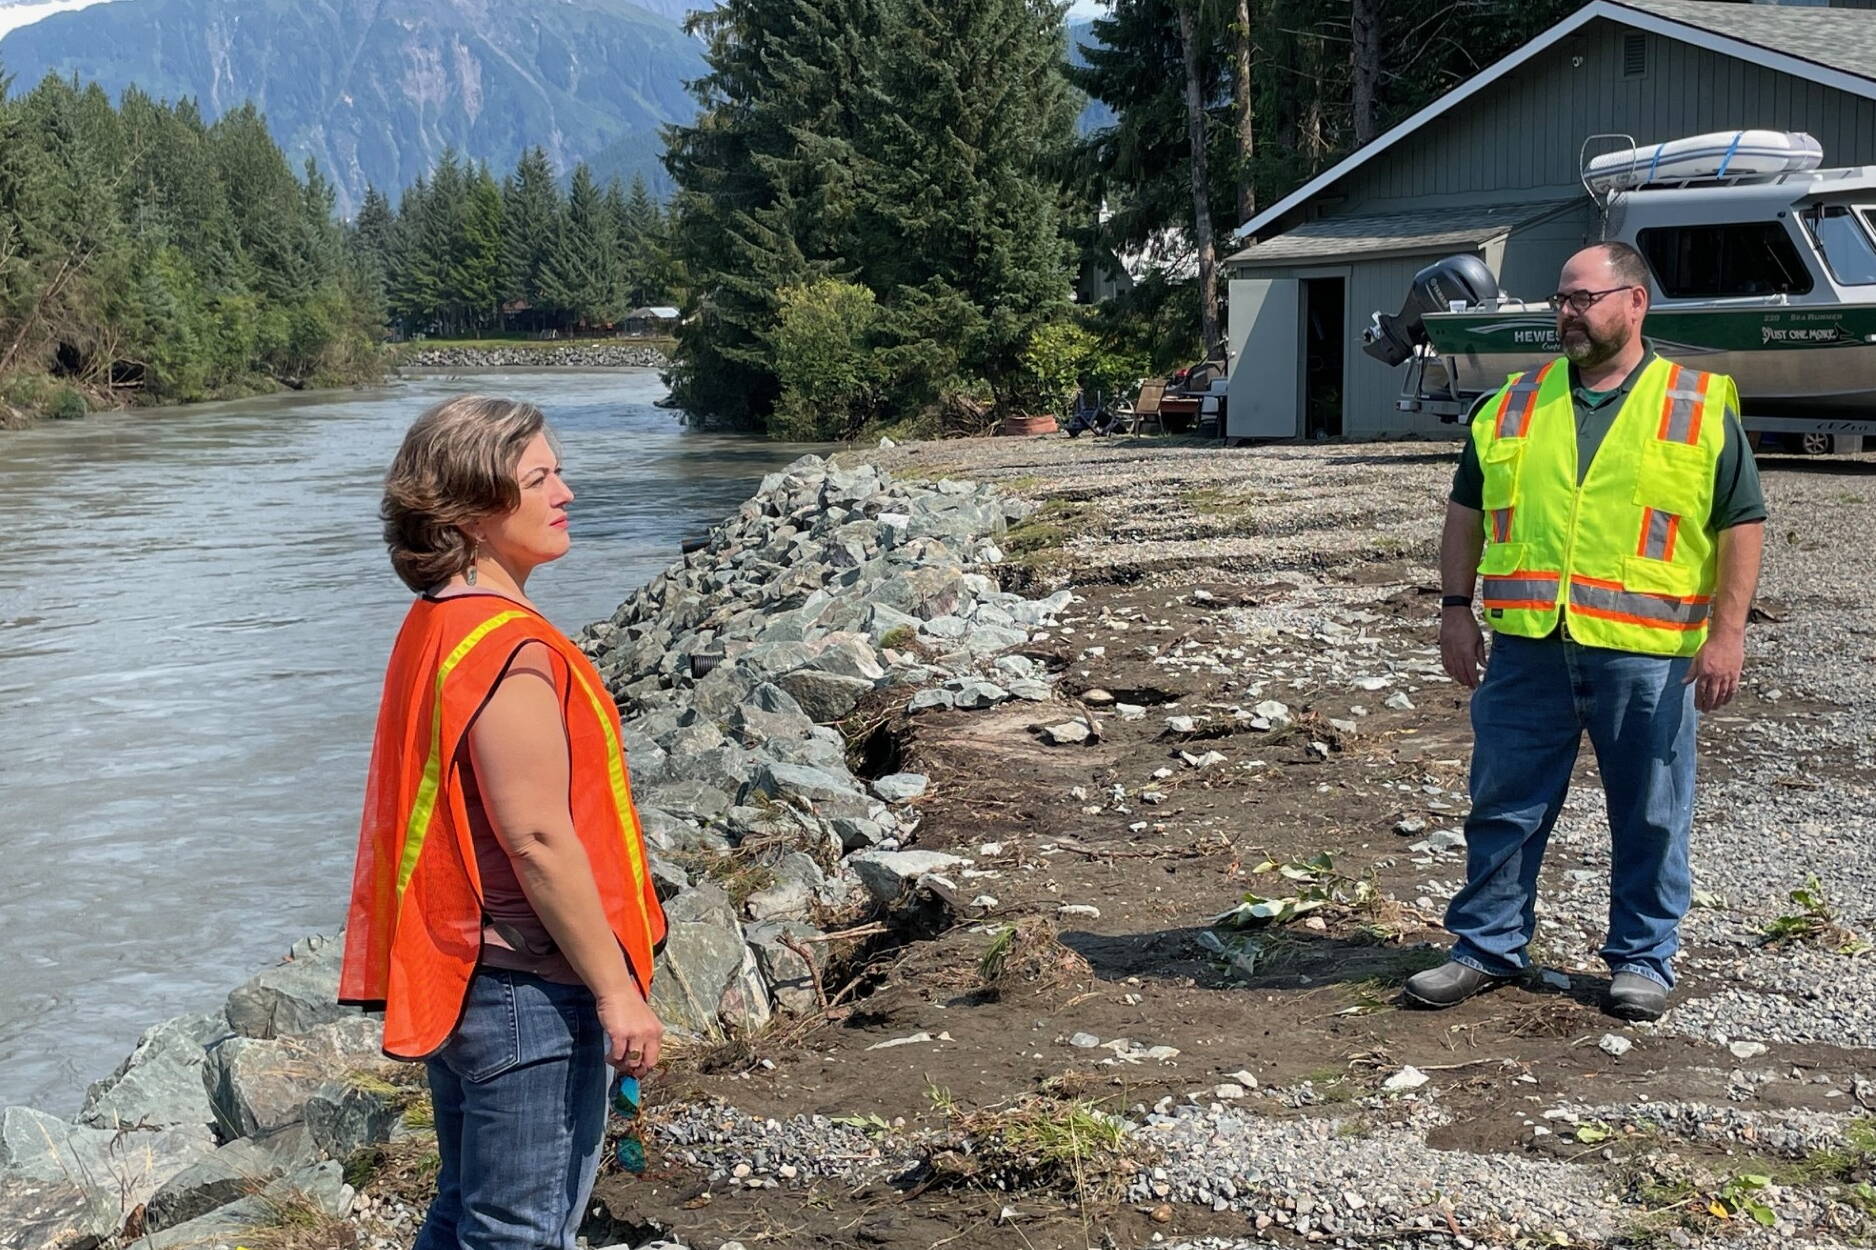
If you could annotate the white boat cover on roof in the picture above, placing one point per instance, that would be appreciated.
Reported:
(1723, 154)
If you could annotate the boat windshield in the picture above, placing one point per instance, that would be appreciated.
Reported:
(1845, 237)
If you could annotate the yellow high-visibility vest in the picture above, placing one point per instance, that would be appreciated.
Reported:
(1626, 558)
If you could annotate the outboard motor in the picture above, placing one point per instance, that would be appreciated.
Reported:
(1392, 340)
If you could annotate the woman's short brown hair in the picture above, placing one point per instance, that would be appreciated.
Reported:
(457, 464)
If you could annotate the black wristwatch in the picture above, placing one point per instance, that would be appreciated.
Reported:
(1455, 601)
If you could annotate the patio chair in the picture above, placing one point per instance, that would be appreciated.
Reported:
(1134, 417)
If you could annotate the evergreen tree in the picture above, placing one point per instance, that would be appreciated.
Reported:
(959, 181)
(582, 274)
(764, 200)
(372, 233)
(531, 219)
(647, 263)
(475, 271)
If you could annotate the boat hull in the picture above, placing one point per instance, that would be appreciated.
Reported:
(1793, 360)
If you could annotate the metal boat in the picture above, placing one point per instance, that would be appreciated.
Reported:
(1769, 277)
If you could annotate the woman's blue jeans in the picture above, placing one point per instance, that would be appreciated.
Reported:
(520, 1098)
(1528, 718)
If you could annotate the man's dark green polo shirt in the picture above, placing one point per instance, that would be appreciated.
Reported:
(1737, 497)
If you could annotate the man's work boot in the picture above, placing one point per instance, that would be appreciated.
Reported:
(1633, 996)
(1450, 984)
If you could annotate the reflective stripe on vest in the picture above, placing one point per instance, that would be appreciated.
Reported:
(423, 807)
(1519, 402)
(629, 833)
(1658, 531)
(1614, 602)
(1680, 415)
(1526, 588)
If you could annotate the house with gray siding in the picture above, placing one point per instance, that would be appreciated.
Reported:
(1492, 168)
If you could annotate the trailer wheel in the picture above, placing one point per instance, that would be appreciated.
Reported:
(1815, 444)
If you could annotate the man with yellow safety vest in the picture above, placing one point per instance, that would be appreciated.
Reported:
(1610, 507)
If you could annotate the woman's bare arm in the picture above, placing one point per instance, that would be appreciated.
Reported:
(518, 745)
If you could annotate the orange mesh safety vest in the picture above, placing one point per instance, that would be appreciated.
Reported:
(415, 928)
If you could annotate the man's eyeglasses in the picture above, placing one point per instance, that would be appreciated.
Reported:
(1581, 300)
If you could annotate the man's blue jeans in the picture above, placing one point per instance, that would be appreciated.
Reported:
(1528, 718)
(520, 1098)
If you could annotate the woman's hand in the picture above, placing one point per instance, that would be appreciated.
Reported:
(634, 1033)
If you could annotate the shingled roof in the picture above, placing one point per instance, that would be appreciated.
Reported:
(1398, 234)
(1839, 39)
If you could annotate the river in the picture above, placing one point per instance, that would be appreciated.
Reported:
(195, 609)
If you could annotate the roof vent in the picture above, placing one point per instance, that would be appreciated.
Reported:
(1634, 56)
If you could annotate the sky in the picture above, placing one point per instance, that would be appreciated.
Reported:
(16, 13)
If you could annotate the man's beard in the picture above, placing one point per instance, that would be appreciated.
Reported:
(1587, 349)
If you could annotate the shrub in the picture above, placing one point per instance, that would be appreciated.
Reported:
(1055, 359)
(68, 404)
(825, 360)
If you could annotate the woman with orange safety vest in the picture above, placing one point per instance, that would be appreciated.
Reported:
(502, 913)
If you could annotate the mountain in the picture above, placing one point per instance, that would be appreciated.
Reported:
(1094, 114)
(375, 90)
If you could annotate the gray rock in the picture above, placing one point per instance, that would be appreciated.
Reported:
(258, 1085)
(814, 789)
(848, 654)
(116, 1170)
(882, 620)
(319, 1189)
(1015, 666)
(788, 898)
(687, 799)
(825, 697)
(946, 627)
(1068, 733)
(54, 1215)
(160, 1083)
(342, 1116)
(706, 904)
(925, 699)
(898, 787)
(887, 873)
(241, 1168)
(980, 694)
(294, 996)
(708, 978)
(786, 972)
(1031, 690)
(668, 878)
(985, 639)
(856, 832)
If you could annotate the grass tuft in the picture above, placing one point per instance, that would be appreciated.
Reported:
(1062, 1146)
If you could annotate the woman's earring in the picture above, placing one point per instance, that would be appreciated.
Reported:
(470, 575)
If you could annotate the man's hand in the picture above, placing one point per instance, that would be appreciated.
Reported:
(1462, 646)
(1715, 670)
(633, 1033)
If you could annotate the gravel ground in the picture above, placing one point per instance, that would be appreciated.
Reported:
(1786, 794)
